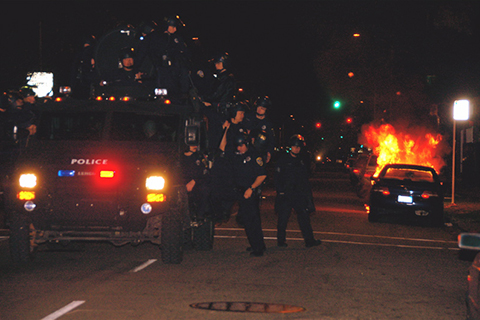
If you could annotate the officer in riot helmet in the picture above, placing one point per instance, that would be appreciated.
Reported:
(257, 121)
(224, 84)
(83, 72)
(170, 57)
(22, 119)
(127, 75)
(291, 179)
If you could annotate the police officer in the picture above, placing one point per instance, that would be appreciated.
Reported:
(258, 121)
(195, 177)
(249, 174)
(83, 70)
(170, 56)
(225, 84)
(294, 192)
(127, 75)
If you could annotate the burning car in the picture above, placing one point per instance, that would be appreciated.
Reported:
(406, 189)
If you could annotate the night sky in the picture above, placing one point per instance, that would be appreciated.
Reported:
(297, 52)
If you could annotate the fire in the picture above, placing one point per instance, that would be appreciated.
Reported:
(414, 146)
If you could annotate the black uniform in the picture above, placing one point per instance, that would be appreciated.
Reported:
(170, 57)
(293, 192)
(254, 124)
(246, 168)
(195, 167)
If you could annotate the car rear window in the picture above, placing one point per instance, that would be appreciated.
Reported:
(129, 126)
(71, 126)
(409, 174)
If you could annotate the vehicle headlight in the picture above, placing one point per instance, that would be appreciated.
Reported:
(28, 180)
(155, 183)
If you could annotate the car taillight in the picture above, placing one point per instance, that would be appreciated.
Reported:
(383, 190)
(428, 194)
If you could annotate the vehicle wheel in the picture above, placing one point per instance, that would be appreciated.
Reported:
(372, 215)
(22, 246)
(203, 236)
(172, 238)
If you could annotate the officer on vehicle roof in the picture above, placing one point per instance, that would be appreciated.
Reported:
(127, 75)
(294, 192)
(225, 84)
(83, 73)
(249, 174)
(170, 56)
(258, 121)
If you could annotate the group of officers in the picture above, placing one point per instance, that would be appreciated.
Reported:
(239, 172)
(242, 142)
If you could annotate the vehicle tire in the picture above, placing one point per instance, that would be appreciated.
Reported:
(22, 246)
(203, 236)
(172, 238)
(373, 215)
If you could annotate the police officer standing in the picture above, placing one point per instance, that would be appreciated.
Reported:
(225, 84)
(258, 121)
(249, 174)
(195, 177)
(294, 192)
(170, 56)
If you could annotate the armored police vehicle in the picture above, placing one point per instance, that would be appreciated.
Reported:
(106, 169)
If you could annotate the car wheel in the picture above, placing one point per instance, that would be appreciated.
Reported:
(203, 236)
(172, 238)
(22, 245)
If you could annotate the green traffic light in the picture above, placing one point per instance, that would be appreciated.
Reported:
(337, 104)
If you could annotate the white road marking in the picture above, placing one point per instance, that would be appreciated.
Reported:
(350, 234)
(69, 307)
(143, 265)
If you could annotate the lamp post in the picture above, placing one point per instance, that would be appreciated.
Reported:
(460, 112)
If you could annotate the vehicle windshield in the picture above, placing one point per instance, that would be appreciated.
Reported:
(129, 126)
(126, 126)
(409, 174)
(71, 126)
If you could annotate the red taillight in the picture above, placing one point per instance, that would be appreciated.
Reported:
(383, 190)
(168, 101)
(112, 98)
(356, 171)
(58, 99)
(99, 98)
(428, 194)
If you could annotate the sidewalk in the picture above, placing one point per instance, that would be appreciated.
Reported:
(465, 213)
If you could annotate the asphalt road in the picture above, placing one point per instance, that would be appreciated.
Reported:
(387, 270)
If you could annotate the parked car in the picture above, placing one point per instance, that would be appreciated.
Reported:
(406, 189)
(471, 242)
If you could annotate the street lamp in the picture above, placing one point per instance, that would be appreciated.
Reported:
(460, 112)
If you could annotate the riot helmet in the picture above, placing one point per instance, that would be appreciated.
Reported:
(27, 92)
(242, 139)
(126, 52)
(263, 101)
(233, 109)
(297, 140)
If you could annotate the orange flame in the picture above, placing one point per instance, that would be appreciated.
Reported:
(416, 146)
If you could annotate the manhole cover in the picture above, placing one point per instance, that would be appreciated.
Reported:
(247, 307)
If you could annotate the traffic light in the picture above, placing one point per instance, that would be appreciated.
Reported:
(349, 120)
(337, 104)
(318, 125)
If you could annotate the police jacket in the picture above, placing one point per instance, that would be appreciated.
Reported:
(291, 176)
(247, 167)
(224, 90)
(253, 123)
(194, 167)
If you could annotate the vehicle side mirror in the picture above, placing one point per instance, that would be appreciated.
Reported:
(469, 241)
